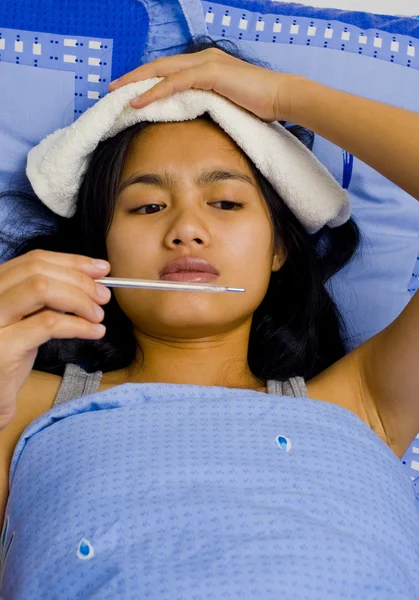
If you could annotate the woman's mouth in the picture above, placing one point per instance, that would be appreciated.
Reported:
(196, 276)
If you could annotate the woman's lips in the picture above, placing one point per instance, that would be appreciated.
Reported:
(196, 276)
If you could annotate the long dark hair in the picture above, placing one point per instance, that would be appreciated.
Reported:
(297, 329)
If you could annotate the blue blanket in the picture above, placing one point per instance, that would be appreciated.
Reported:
(180, 491)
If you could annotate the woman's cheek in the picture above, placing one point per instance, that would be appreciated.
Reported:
(128, 251)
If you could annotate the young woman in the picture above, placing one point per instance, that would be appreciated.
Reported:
(318, 535)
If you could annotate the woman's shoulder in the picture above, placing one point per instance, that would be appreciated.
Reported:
(37, 394)
(35, 397)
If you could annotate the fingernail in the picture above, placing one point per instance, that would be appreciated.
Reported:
(99, 328)
(139, 102)
(115, 83)
(103, 292)
(101, 264)
(99, 311)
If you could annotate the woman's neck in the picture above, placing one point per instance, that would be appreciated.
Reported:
(218, 360)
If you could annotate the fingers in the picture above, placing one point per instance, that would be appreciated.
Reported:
(202, 77)
(40, 328)
(39, 292)
(253, 88)
(35, 269)
(167, 65)
(75, 261)
(30, 283)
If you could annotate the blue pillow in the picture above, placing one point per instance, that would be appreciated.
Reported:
(57, 61)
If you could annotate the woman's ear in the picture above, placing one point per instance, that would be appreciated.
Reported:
(278, 260)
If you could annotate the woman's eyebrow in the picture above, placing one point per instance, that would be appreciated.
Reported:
(166, 179)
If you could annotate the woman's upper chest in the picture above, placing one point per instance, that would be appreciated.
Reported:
(333, 385)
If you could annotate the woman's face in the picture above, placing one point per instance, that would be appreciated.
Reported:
(188, 217)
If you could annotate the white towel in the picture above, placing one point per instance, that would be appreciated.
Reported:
(56, 166)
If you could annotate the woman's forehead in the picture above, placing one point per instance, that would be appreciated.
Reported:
(195, 135)
(191, 142)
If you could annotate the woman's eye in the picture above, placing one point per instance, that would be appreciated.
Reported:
(229, 204)
(140, 208)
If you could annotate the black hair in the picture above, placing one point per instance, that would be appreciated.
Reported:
(297, 329)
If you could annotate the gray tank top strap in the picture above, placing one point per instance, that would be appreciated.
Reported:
(295, 386)
(77, 383)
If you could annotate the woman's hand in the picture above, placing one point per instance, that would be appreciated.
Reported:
(36, 290)
(263, 92)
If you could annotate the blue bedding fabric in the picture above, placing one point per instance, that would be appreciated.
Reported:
(192, 492)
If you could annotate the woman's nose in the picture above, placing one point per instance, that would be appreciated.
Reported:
(188, 228)
(179, 241)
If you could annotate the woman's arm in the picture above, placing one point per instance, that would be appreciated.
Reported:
(387, 139)
(384, 137)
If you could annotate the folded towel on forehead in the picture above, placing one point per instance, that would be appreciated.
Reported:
(57, 165)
